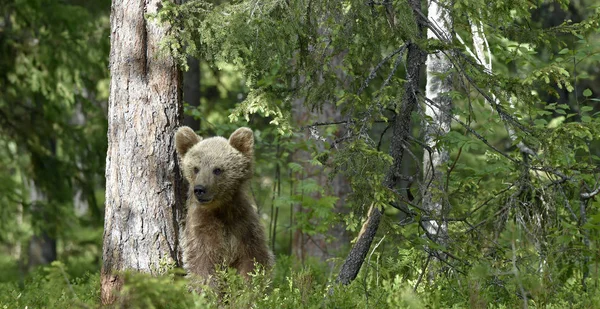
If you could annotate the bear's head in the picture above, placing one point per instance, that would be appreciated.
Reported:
(215, 168)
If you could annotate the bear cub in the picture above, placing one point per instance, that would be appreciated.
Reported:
(222, 225)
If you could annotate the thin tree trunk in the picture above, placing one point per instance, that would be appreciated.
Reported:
(317, 246)
(191, 91)
(483, 56)
(304, 245)
(534, 213)
(42, 250)
(42, 247)
(80, 202)
(439, 84)
(143, 186)
(401, 132)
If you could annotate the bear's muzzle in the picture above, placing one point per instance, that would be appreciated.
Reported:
(200, 193)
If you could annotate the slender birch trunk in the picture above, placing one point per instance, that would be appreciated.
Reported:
(534, 213)
(439, 116)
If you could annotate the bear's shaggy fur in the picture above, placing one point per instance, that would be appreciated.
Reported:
(222, 226)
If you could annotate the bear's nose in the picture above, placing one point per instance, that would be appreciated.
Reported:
(199, 190)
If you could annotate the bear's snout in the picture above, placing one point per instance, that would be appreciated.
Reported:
(200, 193)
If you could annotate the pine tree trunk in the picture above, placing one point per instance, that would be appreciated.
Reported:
(143, 184)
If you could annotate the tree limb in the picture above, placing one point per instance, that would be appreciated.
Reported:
(589, 195)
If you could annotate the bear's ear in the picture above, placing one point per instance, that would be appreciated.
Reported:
(243, 140)
(185, 138)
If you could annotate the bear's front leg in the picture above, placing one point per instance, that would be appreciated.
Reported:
(246, 267)
(201, 271)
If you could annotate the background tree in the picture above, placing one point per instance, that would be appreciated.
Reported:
(191, 92)
(144, 196)
(438, 119)
(51, 70)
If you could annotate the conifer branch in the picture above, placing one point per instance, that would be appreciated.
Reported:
(589, 195)
(373, 72)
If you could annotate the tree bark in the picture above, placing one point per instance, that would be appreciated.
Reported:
(361, 248)
(143, 185)
(415, 60)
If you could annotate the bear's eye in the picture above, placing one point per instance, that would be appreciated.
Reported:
(217, 171)
(196, 170)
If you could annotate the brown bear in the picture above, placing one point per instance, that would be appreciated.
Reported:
(222, 225)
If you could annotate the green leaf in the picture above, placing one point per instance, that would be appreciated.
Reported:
(563, 51)
(587, 93)
(295, 167)
(556, 122)
(586, 108)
